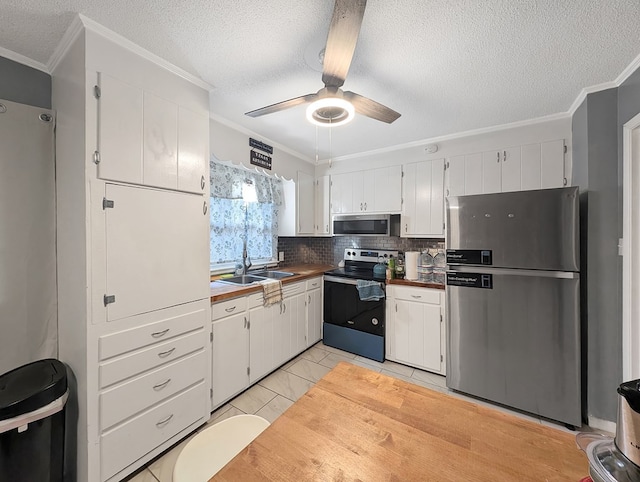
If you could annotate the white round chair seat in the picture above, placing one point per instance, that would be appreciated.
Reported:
(211, 449)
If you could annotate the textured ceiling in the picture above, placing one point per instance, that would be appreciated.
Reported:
(446, 66)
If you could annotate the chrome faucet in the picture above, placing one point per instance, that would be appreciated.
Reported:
(246, 261)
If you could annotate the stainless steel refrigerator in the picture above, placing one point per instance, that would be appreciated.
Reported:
(513, 300)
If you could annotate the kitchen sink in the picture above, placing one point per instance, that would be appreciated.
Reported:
(272, 274)
(242, 280)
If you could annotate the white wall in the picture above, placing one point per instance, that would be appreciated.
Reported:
(229, 144)
(458, 144)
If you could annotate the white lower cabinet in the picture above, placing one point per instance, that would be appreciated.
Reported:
(415, 327)
(153, 382)
(230, 357)
(251, 340)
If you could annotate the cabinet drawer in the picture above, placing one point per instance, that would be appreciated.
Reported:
(127, 443)
(314, 283)
(422, 295)
(140, 361)
(158, 326)
(228, 308)
(293, 289)
(149, 389)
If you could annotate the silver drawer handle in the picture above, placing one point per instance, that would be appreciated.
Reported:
(158, 334)
(160, 386)
(416, 296)
(162, 423)
(229, 310)
(314, 284)
(351, 322)
(164, 354)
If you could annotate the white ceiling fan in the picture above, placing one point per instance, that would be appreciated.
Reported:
(331, 106)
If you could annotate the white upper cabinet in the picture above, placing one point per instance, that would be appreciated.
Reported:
(322, 206)
(520, 168)
(146, 139)
(193, 150)
(305, 212)
(155, 243)
(423, 199)
(119, 130)
(160, 142)
(371, 191)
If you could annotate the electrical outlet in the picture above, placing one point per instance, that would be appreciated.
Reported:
(281, 256)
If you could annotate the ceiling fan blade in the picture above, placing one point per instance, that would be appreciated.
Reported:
(341, 41)
(286, 104)
(371, 108)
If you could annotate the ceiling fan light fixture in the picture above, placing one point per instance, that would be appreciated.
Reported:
(330, 111)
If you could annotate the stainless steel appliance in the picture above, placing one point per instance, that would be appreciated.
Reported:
(628, 426)
(366, 225)
(513, 300)
(350, 323)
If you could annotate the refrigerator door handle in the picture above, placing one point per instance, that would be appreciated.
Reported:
(514, 272)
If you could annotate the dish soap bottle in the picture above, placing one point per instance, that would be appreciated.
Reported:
(392, 268)
(400, 267)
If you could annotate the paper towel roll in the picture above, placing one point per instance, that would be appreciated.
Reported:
(411, 265)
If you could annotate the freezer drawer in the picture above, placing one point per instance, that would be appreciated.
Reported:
(514, 338)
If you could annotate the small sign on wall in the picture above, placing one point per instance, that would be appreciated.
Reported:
(258, 158)
(261, 160)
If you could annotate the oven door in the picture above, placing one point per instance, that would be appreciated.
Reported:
(343, 307)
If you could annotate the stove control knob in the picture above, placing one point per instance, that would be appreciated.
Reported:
(374, 321)
(348, 253)
(386, 255)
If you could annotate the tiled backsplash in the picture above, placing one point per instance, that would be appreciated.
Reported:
(331, 250)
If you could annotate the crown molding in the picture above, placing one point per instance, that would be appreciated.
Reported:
(626, 73)
(21, 59)
(69, 37)
(251, 133)
(450, 137)
(590, 90)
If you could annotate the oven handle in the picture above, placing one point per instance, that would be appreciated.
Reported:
(346, 281)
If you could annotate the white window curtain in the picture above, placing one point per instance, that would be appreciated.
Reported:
(244, 208)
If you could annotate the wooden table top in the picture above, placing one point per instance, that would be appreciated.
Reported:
(359, 425)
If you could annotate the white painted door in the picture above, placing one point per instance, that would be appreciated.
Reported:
(552, 164)
(511, 169)
(385, 187)
(314, 316)
(193, 151)
(417, 334)
(491, 178)
(261, 341)
(305, 211)
(298, 311)
(322, 206)
(360, 190)
(230, 357)
(157, 249)
(456, 176)
(160, 145)
(341, 194)
(530, 165)
(423, 195)
(282, 331)
(120, 126)
(473, 167)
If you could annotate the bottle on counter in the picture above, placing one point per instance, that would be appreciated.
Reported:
(400, 267)
(392, 267)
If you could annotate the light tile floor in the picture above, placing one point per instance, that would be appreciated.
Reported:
(270, 397)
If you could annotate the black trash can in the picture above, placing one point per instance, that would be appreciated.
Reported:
(32, 422)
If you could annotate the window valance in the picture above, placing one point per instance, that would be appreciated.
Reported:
(231, 182)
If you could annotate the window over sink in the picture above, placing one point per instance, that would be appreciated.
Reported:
(244, 207)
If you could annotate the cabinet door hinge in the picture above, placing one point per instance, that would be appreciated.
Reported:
(211, 393)
(443, 226)
(248, 324)
(108, 299)
(248, 371)
(441, 318)
(211, 336)
(97, 91)
(96, 157)
(396, 307)
(107, 203)
(564, 181)
(565, 149)
(446, 165)
(402, 173)
(441, 358)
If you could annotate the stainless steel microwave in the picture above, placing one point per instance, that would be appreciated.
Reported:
(366, 225)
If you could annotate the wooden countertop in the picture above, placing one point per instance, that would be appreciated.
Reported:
(406, 282)
(356, 424)
(224, 291)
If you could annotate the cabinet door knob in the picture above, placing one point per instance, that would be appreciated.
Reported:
(365, 206)
(230, 309)
(360, 206)
(204, 207)
(159, 334)
(164, 354)
(160, 386)
(202, 182)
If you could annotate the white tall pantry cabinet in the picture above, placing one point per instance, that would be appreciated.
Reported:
(132, 243)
